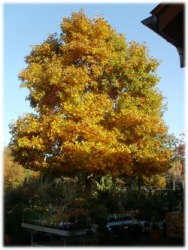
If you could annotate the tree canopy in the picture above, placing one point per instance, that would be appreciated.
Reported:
(97, 106)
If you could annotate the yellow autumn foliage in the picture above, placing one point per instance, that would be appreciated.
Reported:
(97, 107)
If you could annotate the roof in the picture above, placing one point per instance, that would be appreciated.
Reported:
(167, 20)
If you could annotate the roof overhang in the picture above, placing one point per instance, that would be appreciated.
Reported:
(167, 20)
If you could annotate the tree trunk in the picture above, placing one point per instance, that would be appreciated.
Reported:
(88, 185)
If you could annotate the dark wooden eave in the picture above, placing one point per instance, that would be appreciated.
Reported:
(167, 20)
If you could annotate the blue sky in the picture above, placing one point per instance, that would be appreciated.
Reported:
(29, 24)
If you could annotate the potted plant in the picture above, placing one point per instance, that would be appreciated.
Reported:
(155, 232)
(7, 232)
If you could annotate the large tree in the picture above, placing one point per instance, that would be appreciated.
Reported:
(97, 107)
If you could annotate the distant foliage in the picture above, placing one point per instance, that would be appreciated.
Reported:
(13, 172)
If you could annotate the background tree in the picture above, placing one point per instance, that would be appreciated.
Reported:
(176, 174)
(156, 182)
(97, 107)
(14, 173)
